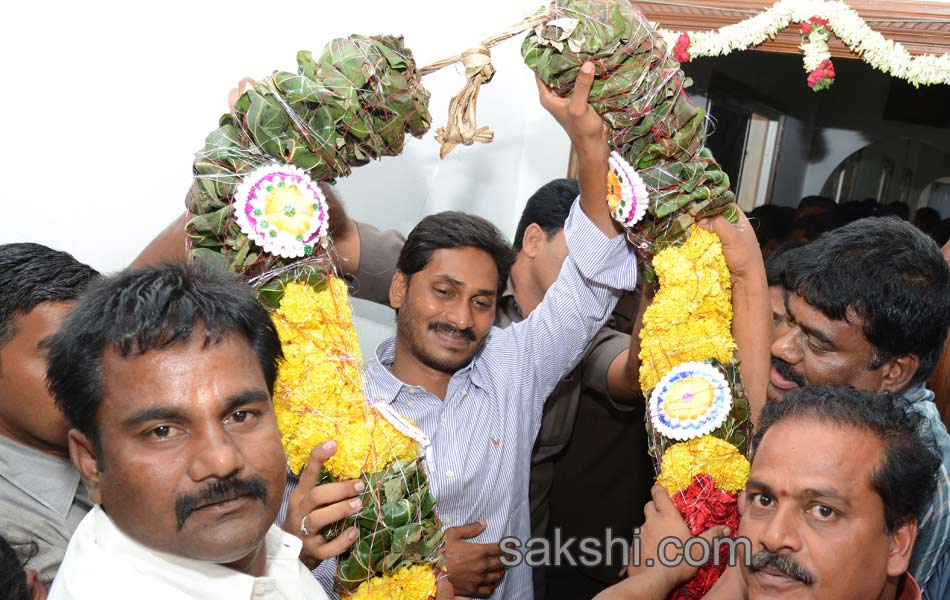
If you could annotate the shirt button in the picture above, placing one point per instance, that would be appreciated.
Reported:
(464, 393)
(412, 390)
(448, 520)
(443, 419)
(450, 474)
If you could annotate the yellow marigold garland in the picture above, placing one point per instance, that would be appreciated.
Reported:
(319, 392)
(415, 582)
(690, 318)
(705, 455)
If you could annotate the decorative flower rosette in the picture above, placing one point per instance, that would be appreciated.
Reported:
(282, 210)
(626, 192)
(691, 400)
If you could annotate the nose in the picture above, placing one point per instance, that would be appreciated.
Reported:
(786, 346)
(460, 315)
(214, 455)
(781, 530)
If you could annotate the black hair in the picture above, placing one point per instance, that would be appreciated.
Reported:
(31, 274)
(814, 225)
(548, 208)
(896, 209)
(926, 218)
(817, 202)
(136, 311)
(907, 476)
(775, 263)
(452, 229)
(891, 274)
(12, 574)
(771, 222)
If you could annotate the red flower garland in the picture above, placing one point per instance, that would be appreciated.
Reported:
(703, 506)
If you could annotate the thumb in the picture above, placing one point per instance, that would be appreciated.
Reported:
(582, 86)
(467, 531)
(662, 500)
(717, 531)
(319, 455)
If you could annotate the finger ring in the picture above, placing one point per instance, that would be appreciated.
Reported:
(303, 526)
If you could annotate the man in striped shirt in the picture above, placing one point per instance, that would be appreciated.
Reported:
(869, 305)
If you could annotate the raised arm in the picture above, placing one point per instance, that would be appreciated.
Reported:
(752, 313)
(588, 135)
(599, 265)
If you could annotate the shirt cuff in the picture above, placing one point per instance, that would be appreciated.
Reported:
(608, 261)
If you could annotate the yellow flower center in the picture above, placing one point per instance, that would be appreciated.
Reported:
(689, 398)
(288, 210)
(614, 195)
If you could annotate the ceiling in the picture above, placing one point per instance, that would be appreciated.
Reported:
(921, 26)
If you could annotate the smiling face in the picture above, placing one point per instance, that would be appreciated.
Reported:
(191, 457)
(810, 348)
(815, 523)
(27, 411)
(447, 309)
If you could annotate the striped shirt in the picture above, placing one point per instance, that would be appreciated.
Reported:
(483, 432)
(930, 561)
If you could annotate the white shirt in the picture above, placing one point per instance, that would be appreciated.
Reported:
(103, 563)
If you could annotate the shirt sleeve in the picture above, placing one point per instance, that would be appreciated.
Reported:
(606, 346)
(551, 341)
(379, 252)
(933, 533)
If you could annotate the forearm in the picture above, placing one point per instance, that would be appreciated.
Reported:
(168, 246)
(592, 180)
(752, 330)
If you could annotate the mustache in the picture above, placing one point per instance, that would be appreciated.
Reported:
(765, 558)
(785, 370)
(443, 327)
(219, 491)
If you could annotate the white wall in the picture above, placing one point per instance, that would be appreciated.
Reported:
(105, 103)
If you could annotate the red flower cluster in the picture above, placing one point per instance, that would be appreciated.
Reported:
(822, 77)
(703, 506)
(681, 49)
(813, 22)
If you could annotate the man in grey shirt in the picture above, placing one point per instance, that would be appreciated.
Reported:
(41, 497)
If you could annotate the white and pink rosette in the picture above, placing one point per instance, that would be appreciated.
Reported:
(282, 210)
(627, 194)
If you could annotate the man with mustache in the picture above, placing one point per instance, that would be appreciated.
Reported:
(166, 376)
(868, 305)
(838, 482)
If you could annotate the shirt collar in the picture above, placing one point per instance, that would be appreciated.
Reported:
(509, 298)
(383, 386)
(50, 480)
(217, 581)
(910, 590)
(918, 393)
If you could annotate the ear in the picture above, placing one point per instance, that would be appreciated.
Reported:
(83, 455)
(898, 372)
(900, 546)
(532, 239)
(741, 502)
(397, 289)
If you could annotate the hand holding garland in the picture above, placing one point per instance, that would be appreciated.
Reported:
(752, 321)
(312, 507)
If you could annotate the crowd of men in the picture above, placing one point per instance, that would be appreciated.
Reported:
(140, 455)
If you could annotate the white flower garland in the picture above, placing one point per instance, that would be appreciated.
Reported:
(881, 53)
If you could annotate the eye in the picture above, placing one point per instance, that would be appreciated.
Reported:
(762, 500)
(816, 348)
(822, 512)
(443, 292)
(242, 417)
(484, 304)
(161, 432)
